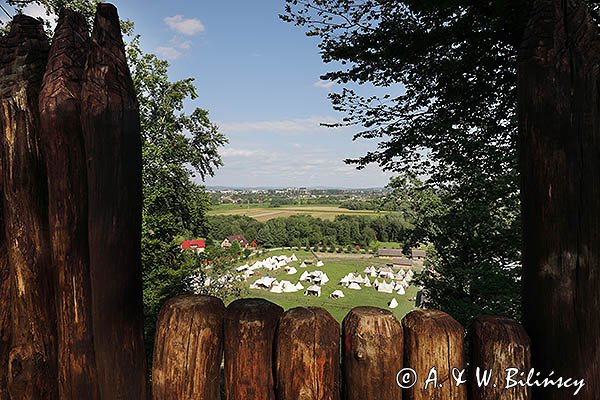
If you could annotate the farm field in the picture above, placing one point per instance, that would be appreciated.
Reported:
(335, 270)
(263, 212)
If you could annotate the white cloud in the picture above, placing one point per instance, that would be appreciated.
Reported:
(233, 152)
(38, 11)
(298, 125)
(323, 84)
(170, 53)
(184, 26)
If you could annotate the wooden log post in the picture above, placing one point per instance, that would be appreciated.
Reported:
(111, 128)
(32, 359)
(308, 355)
(60, 123)
(188, 349)
(497, 345)
(5, 303)
(434, 349)
(250, 326)
(559, 143)
(373, 354)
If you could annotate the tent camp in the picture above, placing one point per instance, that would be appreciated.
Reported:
(265, 282)
(354, 286)
(276, 289)
(337, 294)
(393, 303)
(313, 291)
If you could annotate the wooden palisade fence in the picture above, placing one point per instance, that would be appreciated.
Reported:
(300, 354)
(70, 265)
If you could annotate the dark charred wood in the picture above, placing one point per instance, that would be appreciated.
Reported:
(559, 147)
(250, 326)
(188, 349)
(111, 128)
(308, 355)
(373, 353)
(498, 343)
(32, 359)
(62, 137)
(433, 339)
(5, 303)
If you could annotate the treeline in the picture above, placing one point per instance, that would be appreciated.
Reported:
(303, 230)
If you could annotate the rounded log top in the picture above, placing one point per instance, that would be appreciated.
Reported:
(193, 302)
(423, 320)
(367, 311)
(107, 10)
(253, 309)
(500, 329)
(305, 313)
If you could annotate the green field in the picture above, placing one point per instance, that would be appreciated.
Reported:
(263, 212)
(335, 269)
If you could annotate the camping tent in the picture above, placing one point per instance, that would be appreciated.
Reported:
(337, 294)
(401, 290)
(291, 270)
(293, 258)
(303, 265)
(393, 303)
(354, 286)
(313, 291)
(385, 287)
(305, 276)
(320, 263)
(299, 286)
(276, 289)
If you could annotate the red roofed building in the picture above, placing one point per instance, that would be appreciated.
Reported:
(195, 245)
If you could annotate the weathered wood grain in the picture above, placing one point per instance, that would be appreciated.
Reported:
(559, 147)
(433, 339)
(250, 326)
(188, 349)
(5, 302)
(32, 359)
(498, 343)
(372, 354)
(111, 128)
(62, 137)
(308, 355)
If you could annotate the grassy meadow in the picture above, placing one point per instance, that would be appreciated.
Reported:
(335, 268)
(264, 212)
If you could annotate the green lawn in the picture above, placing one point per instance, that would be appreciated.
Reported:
(335, 270)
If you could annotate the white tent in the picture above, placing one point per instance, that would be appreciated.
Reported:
(393, 303)
(313, 291)
(367, 282)
(344, 281)
(385, 287)
(303, 265)
(299, 286)
(291, 270)
(401, 290)
(337, 294)
(324, 279)
(304, 276)
(320, 263)
(293, 258)
(354, 286)
(265, 282)
(276, 289)
(242, 268)
(376, 283)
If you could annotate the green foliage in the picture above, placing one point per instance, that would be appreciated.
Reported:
(443, 108)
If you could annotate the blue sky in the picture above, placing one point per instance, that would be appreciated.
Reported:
(259, 78)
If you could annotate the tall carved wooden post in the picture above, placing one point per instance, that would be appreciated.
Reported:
(559, 101)
(111, 127)
(60, 122)
(32, 359)
(5, 304)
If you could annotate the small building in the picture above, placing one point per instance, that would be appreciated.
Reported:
(229, 240)
(418, 255)
(402, 263)
(196, 245)
(389, 253)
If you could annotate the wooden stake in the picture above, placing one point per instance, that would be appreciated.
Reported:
(434, 348)
(32, 359)
(188, 349)
(250, 326)
(111, 127)
(498, 343)
(308, 355)
(373, 353)
(60, 123)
